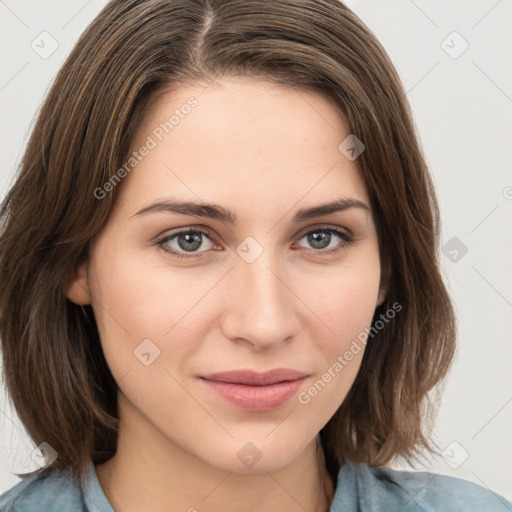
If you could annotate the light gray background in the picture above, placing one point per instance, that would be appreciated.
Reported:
(462, 108)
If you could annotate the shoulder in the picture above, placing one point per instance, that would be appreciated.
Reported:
(372, 489)
(433, 491)
(52, 492)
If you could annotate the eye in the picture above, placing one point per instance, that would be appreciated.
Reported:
(190, 239)
(187, 240)
(320, 239)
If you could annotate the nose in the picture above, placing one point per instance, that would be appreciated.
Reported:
(260, 310)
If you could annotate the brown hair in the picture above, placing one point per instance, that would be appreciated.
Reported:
(54, 368)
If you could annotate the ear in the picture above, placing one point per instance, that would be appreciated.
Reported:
(78, 287)
(382, 295)
(384, 285)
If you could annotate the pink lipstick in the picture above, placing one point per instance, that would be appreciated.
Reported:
(254, 391)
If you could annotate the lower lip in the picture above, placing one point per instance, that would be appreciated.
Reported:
(256, 398)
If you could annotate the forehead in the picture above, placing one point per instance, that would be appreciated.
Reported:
(244, 143)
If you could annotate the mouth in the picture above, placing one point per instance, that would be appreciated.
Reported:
(254, 391)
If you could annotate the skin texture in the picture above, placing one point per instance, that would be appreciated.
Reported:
(263, 151)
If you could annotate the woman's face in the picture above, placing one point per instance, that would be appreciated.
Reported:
(265, 292)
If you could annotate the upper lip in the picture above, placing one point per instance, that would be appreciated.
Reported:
(254, 378)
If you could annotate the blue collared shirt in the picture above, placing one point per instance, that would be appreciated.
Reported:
(359, 488)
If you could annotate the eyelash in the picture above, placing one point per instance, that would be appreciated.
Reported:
(347, 240)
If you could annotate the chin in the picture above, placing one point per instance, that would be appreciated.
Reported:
(256, 456)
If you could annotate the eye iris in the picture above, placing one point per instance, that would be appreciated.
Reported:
(319, 237)
(192, 237)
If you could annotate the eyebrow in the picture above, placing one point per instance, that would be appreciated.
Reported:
(216, 212)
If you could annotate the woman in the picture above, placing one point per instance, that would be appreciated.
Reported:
(285, 358)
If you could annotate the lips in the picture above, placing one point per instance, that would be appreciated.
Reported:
(253, 378)
(254, 391)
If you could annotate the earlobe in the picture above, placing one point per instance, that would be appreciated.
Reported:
(383, 289)
(382, 296)
(384, 284)
(78, 287)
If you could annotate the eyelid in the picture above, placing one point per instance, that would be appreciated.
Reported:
(187, 229)
(305, 231)
(210, 233)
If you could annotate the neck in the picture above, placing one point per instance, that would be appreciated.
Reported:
(149, 472)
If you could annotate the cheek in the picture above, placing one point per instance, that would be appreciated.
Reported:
(346, 305)
(347, 309)
(136, 299)
(346, 301)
